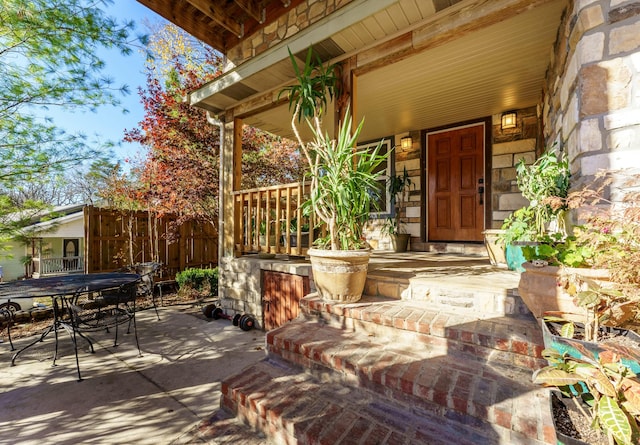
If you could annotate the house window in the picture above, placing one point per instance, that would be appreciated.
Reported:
(384, 200)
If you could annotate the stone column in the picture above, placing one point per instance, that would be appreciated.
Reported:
(592, 105)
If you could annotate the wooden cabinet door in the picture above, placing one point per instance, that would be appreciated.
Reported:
(455, 175)
(281, 297)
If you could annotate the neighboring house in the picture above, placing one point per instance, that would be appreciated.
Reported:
(54, 245)
(88, 239)
(462, 89)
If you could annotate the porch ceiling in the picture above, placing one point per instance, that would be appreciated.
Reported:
(486, 72)
(468, 76)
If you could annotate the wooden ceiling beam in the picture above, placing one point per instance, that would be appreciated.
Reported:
(174, 11)
(218, 15)
(252, 8)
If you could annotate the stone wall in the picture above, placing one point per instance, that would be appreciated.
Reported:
(298, 18)
(508, 148)
(240, 284)
(592, 105)
(410, 213)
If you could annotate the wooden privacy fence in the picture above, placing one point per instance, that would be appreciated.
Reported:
(107, 241)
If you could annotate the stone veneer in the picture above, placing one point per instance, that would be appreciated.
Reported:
(508, 148)
(241, 281)
(592, 97)
(298, 18)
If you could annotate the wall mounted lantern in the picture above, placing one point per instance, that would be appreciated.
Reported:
(509, 120)
(406, 142)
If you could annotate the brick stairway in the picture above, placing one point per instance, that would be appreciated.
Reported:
(387, 371)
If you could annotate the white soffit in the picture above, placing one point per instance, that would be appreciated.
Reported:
(486, 72)
(273, 67)
(483, 73)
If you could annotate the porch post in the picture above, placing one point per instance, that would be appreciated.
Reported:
(231, 157)
(348, 83)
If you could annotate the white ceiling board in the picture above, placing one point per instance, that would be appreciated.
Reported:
(483, 73)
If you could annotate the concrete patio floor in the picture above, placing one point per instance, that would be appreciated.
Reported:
(123, 398)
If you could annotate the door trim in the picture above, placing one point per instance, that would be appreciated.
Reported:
(488, 150)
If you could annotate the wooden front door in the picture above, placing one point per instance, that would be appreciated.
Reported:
(455, 175)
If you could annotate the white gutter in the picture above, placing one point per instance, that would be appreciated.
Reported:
(214, 121)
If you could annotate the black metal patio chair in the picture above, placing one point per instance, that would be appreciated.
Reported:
(86, 312)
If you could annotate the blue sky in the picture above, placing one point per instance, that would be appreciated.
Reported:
(109, 123)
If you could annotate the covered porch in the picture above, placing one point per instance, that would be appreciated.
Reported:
(438, 74)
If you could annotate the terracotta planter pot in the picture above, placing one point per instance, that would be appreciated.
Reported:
(540, 291)
(399, 241)
(339, 275)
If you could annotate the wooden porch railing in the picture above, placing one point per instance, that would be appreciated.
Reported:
(56, 266)
(270, 220)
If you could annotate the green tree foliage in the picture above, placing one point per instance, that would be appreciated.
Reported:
(49, 58)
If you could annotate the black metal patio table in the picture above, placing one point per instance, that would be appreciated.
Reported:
(65, 291)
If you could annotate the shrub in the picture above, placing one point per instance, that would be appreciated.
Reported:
(203, 282)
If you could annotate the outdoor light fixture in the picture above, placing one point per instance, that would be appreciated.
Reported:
(508, 120)
(406, 142)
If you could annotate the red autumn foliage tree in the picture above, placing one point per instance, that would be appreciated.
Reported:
(180, 173)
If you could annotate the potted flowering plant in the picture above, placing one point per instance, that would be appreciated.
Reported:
(603, 251)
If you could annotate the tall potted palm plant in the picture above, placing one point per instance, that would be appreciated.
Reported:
(343, 186)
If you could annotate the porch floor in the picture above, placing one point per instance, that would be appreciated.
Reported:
(408, 265)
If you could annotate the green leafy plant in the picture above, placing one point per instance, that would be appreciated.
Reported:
(544, 183)
(519, 226)
(547, 178)
(609, 388)
(343, 184)
(398, 186)
(316, 86)
(343, 187)
(558, 250)
(293, 226)
(199, 282)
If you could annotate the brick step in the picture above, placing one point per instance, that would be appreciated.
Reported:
(510, 340)
(428, 374)
(293, 407)
(222, 428)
